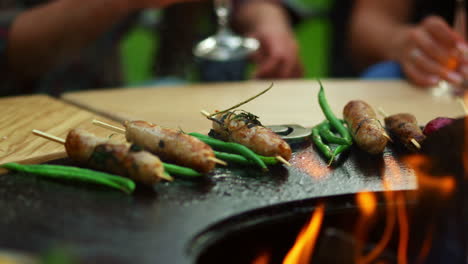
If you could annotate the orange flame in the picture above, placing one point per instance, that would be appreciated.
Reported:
(404, 229)
(262, 258)
(303, 248)
(443, 185)
(388, 231)
(426, 246)
(367, 203)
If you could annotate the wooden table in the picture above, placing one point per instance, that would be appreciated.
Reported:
(288, 102)
(22, 114)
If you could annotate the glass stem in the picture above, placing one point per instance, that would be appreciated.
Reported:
(223, 10)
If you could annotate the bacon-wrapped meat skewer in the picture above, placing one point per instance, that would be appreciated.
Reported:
(171, 145)
(245, 129)
(366, 130)
(406, 130)
(120, 159)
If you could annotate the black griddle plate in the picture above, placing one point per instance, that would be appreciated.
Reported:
(155, 226)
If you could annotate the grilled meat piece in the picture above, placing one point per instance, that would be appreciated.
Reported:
(404, 127)
(250, 133)
(366, 130)
(171, 145)
(99, 153)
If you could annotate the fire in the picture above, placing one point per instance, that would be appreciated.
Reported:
(404, 229)
(387, 234)
(443, 185)
(262, 258)
(367, 203)
(302, 250)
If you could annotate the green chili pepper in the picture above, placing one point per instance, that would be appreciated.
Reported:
(74, 173)
(234, 158)
(317, 139)
(334, 121)
(179, 170)
(231, 147)
(327, 134)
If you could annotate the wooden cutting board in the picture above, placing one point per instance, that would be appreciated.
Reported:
(22, 114)
(289, 102)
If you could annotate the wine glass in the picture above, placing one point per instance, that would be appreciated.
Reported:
(225, 45)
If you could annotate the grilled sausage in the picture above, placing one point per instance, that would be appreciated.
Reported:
(171, 145)
(250, 133)
(366, 130)
(115, 158)
(404, 127)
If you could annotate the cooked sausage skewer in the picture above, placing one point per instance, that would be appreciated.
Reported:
(366, 130)
(240, 128)
(169, 144)
(120, 159)
(405, 128)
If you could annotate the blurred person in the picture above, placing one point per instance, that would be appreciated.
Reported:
(50, 46)
(269, 22)
(408, 38)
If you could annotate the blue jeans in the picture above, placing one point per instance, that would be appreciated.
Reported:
(383, 70)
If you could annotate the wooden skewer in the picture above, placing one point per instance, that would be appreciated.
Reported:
(205, 113)
(48, 136)
(382, 113)
(416, 143)
(121, 130)
(62, 141)
(282, 160)
(218, 161)
(108, 126)
(387, 136)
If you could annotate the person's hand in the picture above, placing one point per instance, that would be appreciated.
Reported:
(278, 55)
(430, 52)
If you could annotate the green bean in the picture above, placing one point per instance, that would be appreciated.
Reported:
(234, 158)
(334, 121)
(327, 134)
(338, 150)
(74, 173)
(317, 139)
(231, 147)
(179, 170)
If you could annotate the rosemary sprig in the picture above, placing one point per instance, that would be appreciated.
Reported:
(243, 102)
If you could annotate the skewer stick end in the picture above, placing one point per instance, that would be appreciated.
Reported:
(108, 126)
(382, 112)
(416, 143)
(283, 160)
(167, 177)
(205, 113)
(218, 161)
(48, 136)
(387, 136)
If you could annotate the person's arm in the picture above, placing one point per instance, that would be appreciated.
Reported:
(45, 35)
(374, 28)
(380, 30)
(268, 21)
(42, 36)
